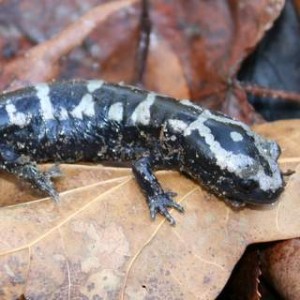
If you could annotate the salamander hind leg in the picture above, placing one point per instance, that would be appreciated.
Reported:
(22, 167)
(158, 200)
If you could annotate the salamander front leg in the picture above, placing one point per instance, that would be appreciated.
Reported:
(38, 179)
(158, 200)
(22, 167)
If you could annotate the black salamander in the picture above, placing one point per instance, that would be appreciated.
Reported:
(96, 121)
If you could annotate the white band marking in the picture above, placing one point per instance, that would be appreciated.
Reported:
(63, 114)
(86, 107)
(43, 90)
(141, 114)
(178, 125)
(115, 112)
(15, 117)
(94, 85)
(187, 102)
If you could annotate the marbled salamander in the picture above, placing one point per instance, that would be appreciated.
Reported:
(96, 121)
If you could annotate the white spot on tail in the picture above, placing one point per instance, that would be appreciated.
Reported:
(115, 112)
(141, 114)
(16, 118)
(94, 85)
(236, 136)
(43, 90)
(86, 107)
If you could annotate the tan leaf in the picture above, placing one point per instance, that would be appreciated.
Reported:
(100, 241)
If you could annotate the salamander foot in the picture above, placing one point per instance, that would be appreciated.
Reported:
(160, 204)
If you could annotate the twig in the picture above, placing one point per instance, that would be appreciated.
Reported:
(264, 92)
(143, 42)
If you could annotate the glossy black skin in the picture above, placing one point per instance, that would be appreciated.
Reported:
(221, 182)
(97, 139)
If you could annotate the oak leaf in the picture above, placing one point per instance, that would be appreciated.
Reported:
(100, 242)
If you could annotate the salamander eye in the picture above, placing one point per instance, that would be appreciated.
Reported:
(249, 185)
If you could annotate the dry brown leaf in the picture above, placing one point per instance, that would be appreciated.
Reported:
(164, 70)
(206, 42)
(244, 281)
(100, 241)
(195, 49)
(297, 5)
(74, 176)
(42, 62)
(281, 266)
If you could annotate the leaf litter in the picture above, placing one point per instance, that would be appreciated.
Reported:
(100, 240)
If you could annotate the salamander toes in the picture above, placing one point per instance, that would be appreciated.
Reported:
(44, 184)
(172, 203)
(54, 195)
(160, 204)
(39, 180)
(54, 172)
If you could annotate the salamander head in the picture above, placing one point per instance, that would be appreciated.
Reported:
(231, 160)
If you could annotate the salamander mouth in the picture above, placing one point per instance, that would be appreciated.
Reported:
(263, 198)
(247, 192)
